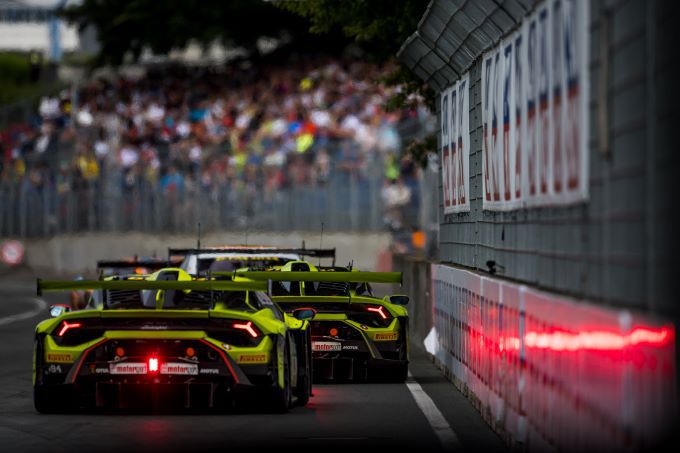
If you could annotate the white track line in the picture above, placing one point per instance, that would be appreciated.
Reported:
(441, 427)
(39, 306)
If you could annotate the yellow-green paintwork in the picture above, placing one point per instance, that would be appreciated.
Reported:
(370, 334)
(263, 319)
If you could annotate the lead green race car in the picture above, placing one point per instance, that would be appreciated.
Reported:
(170, 339)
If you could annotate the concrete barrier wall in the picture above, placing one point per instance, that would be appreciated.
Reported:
(417, 286)
(77, 254)
(547, 372)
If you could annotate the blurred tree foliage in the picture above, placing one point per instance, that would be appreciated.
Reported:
(378, 27)
(20, 78)
(130, 26)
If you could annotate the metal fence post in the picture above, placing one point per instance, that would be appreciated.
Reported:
(353, 202)
(22, 209)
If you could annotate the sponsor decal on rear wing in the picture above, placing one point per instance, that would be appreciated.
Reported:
(322, 276)
(200, 285)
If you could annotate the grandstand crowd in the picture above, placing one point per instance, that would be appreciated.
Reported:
(177, 129)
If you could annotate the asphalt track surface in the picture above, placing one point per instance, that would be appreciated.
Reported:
(340, 417)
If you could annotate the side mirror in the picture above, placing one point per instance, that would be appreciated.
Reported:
(398, 299)
(304, 313)
(58, 310)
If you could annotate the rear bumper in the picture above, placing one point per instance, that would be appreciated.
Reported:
(90, 382)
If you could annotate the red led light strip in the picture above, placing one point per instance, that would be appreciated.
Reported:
(595, 340)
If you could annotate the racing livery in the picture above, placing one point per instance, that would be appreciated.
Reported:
(355, 335)
(170, 339)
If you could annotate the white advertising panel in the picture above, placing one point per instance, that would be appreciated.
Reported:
(455, 143)
(534, 111)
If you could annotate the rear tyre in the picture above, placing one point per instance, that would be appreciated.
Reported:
(283, 397)
(401, 371)
(304, 389)
(44, 401)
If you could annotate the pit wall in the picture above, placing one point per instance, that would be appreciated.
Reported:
(546, 372)
(77, 254)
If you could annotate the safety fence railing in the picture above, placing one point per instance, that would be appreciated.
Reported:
(347, 201)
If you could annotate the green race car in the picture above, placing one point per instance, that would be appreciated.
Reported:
(355, 335)
(170, 339)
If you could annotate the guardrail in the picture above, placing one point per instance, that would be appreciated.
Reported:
(345, 203)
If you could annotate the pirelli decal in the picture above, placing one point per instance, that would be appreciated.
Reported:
(390, 336)
(59, 357)
(252, 358)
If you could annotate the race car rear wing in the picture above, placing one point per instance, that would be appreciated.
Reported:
(148, 264)
(314, 253)
(322, 276)
(197, 285)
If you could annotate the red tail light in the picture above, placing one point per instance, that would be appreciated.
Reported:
(248, 327)
(153, 365)
(65, 326)
(380, 310)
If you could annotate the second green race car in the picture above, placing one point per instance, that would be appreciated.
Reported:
(355, 335)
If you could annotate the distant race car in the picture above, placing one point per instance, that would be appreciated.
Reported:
(106, 268)
(231, 257)
(170, 339)
(136, 265)
(355, 335)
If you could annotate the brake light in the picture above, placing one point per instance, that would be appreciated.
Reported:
(65, 326)
(378, 310)
(248, 327)
(153, 365)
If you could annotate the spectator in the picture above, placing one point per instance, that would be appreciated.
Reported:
(396, 196)
(249, 132)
